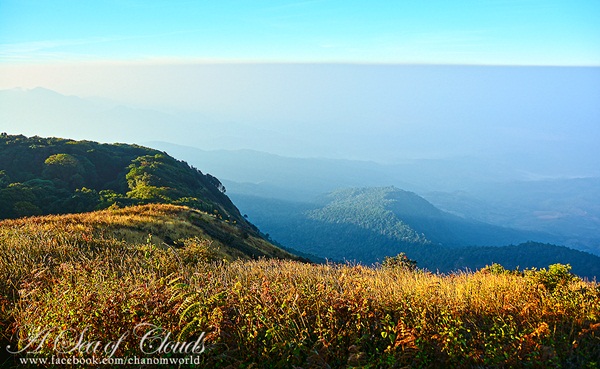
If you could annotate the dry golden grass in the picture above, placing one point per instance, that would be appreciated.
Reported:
(104, 272)
(282, 311)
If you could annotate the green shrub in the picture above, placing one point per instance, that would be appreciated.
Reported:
(399, 261)
(556, 275)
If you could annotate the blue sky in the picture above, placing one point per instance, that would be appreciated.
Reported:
(498, 32)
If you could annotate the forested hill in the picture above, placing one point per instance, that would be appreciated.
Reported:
(368, 224)
(41, 176)
(409, 218)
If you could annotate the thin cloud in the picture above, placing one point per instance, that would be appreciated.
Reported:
(52, 50)
(47, 49)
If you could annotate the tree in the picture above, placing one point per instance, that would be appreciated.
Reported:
(25, 208)
(82, 200)
(215, 182)
(65, 168)
(144, 183)
(399, 261)
(4, 179)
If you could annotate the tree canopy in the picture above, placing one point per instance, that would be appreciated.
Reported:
(53, 175)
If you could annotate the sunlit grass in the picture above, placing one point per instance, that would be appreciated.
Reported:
(342, 314)
(108, 271)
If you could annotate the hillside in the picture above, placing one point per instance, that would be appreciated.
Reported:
(153, 225)
(368, 224)
(405, 216)
(143, 240)
(41, 176)
(113, 275)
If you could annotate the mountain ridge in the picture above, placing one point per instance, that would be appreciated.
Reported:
(367, 224)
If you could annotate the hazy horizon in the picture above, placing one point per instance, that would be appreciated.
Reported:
(544, 119)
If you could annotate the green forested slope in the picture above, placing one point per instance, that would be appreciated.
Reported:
(53, 175)
(368, 224)
(367, 208)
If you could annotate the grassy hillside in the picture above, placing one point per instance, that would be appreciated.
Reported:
(144, 242)
(107, 272)
(156, 225)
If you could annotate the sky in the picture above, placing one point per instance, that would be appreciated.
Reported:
(368, 80)
(496, 32)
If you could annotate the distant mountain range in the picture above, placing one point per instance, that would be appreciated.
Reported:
(110, 121)
(567, 209)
